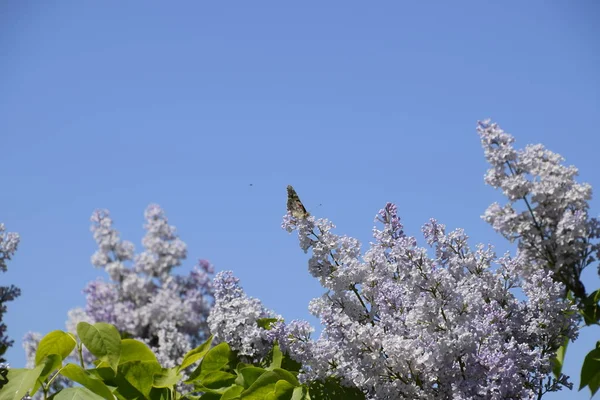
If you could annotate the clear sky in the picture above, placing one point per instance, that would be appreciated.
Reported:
(211, 108)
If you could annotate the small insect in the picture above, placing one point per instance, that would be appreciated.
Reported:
(294, 205)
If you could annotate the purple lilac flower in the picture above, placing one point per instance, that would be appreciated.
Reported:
(142, 297)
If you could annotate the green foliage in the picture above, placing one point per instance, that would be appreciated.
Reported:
(126, 369)
(194, 355)
(591, 308)
(590, 371)
(140, 374)
(50, 363)
(102, 340)
(87, 380)
(20, 381)
(168, 377)
(215, 359)
(266, 323)
(134, 350)
(56, 342)
(559, 360)
(76, 394)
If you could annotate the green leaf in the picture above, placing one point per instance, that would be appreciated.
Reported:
(56, 342)
(250, 375)
(264, 385)
(277, 384)
(102, 340)
(160, 394)
(134, 350)
(559, 360)
(77, 374)
(591, 308)
(126, 335)
(590, 371)
(232, 393)
(167, 378)
(266, 323)
(287, 376)
(51, 363)
(240, 379)
(124, 390)
(217, 379)
(20, 381)
(79, 393)
(283, 391)
(140, 374)
(289, 364)
(277, 357)
(104, 373)
(300, 393)
(214, 360)
(196, 354)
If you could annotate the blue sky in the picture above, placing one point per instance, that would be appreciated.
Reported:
(117, 105)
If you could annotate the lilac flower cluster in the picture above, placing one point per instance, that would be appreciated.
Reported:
(145, 300)
(403, 321)
(235, 316)
(401, 324)
(9, 242)
(547, 210)
(167, 311)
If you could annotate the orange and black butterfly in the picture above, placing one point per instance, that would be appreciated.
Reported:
(294, 205)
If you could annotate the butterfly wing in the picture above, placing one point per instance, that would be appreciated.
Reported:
(294, 205)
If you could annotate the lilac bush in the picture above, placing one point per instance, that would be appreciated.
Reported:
(398, 323)
(437, 321)
(442, 321)
(9, 242)
(143, 298)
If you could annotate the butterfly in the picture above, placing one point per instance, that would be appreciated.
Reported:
(294, 205)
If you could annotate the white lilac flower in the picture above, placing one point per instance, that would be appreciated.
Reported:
(406, 325)
(398, 323)
(9, 242)
(164, 249)
(401, 323)
(235, 316)
(547, 209)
